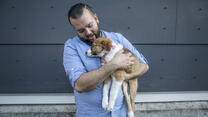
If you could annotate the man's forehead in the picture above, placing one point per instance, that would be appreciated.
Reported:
(85, 19)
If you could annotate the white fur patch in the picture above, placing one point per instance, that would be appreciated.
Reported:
(131, 114)
(112, 53)
(89, 53)
(113, 93)
(105, 95)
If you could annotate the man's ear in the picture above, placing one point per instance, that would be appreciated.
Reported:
(96, 18)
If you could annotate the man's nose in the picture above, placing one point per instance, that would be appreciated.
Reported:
(88, 31)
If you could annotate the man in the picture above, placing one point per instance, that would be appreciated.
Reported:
(86, 74)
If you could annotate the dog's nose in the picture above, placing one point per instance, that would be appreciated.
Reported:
(86, 52)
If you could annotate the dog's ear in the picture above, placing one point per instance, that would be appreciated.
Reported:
(107, 43)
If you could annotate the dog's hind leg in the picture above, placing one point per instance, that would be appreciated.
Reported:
(133, 85)
(127, 98)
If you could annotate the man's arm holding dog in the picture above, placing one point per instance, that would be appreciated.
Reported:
(91, 80)
(140, 70)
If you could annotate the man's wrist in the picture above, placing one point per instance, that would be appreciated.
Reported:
(112, 66)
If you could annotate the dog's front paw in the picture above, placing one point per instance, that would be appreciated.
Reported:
(105, 103)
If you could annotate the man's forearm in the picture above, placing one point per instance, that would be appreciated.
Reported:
(91, 80)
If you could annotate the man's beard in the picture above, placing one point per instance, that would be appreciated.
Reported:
(88, 41)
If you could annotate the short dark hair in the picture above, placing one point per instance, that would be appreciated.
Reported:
(77, 10)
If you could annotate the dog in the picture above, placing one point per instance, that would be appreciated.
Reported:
(106, 49)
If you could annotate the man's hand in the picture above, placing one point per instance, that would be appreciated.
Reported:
(139, 71)
(122, 61)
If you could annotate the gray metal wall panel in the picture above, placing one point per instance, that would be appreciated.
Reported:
(34, 21)
(192, 21)
(38, 68)
(141, 21)
(175, 68)
(32, 69)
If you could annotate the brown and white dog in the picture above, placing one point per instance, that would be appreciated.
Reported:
(106, 49)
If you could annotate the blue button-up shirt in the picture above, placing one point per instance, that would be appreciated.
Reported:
(76, 63)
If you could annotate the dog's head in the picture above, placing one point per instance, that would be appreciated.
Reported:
(100, 47)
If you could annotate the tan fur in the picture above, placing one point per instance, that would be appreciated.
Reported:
(129, 86)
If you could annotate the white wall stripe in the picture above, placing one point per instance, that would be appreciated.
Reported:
(66, 98)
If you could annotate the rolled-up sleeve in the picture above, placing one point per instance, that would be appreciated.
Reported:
(126, 44)
(73, 65)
